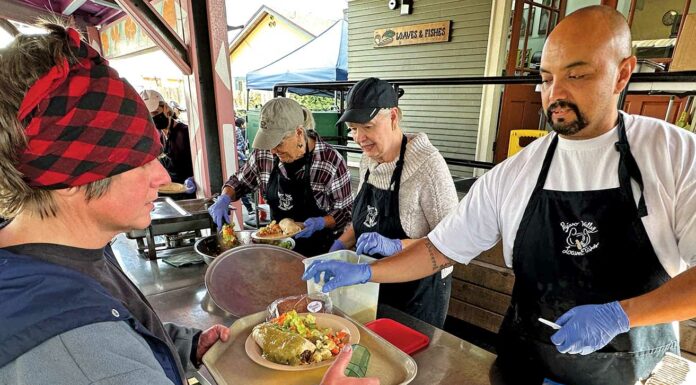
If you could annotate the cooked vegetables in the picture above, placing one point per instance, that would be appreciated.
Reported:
(281, 340)
(227, 237)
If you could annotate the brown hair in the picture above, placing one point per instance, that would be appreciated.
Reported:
(28, 58)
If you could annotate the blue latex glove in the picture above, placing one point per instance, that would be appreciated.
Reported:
(190, 185)
(311, 226)
(338, 274)
(373, 243)
(588, 328)
(337, 245)
(220, 210)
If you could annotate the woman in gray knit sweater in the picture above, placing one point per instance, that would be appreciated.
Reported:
(405, 190)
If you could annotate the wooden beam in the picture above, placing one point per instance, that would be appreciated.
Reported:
(687, 331)
(9, 27)
(70, 6)
(159, 31)
(15, 10)
(486, 275)
(487, 299)
(494, 256)
(475, 315)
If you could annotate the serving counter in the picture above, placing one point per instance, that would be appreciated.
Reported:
(447, 360)
(179, 296)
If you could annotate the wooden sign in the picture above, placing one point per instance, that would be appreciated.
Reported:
(685, 52)
(437, 32)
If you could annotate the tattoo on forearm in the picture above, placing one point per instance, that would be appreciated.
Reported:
(432, 250)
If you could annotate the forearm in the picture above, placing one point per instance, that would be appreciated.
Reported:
(419, 260)
(673, 301)
(329, 222)
(348, 237)
(408, 242)
(341, 216)
(230, 192)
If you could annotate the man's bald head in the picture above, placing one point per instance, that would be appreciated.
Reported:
(585, 65)
(597, 26)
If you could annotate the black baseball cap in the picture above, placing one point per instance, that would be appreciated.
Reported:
(366, 98)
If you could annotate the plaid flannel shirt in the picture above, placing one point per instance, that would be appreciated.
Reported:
(328, 176)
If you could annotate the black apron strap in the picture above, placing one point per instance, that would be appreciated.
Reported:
(396, 176)
(546, 166)
(628, 168)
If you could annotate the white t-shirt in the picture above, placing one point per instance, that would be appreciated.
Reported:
(666, 156)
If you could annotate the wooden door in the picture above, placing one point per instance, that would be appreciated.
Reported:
(521, 106)
(654, 106)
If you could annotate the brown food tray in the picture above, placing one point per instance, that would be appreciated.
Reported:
(229, 364)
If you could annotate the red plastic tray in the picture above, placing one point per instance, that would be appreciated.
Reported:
(403, 337)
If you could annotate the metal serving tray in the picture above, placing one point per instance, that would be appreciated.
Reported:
(229, 364)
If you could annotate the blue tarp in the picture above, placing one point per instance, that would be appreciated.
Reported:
(322, 59)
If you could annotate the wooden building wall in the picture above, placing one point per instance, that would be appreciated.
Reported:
(449, 115)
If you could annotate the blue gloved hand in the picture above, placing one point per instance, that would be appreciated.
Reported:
(587, 328)
(190, 185)
(220, 210)
(338, 274)
(373, 243)
(311, 226)
(337, 245)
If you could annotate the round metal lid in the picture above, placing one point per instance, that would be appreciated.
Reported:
(246, 279)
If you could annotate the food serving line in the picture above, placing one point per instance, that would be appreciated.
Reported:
(180, 295)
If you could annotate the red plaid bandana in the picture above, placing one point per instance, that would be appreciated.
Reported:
(86, 124)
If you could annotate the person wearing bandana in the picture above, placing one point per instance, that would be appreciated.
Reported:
(596, 220)
(79, 165)
(300, 176)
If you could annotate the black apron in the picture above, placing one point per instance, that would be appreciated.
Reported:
(376, 210)
(576, 248)
(293, 198)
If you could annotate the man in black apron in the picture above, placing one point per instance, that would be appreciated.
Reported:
(581, 258)
(547, 285)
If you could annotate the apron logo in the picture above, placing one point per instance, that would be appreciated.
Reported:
(372, 215)
(285, 201)
(579, 240)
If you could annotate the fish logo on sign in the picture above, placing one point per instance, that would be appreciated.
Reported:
(372, 215)
(285, 202)
(579, 237)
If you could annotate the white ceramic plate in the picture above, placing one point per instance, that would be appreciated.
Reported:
(324, 320)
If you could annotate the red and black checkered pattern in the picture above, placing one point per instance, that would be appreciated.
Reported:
(86, 124)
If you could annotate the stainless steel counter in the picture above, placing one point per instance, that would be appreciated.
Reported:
(179, 295)
(447, 359)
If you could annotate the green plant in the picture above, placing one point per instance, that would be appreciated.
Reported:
(315, 103)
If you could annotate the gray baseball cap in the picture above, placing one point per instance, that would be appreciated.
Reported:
(278, 117)
(152, 99)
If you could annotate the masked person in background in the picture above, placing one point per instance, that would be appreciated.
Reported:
(597, 221)
(405, 191)
(79, 165)
(175, 138)
(300, 175)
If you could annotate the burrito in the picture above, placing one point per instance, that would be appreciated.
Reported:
(289, 226)
(282, 347)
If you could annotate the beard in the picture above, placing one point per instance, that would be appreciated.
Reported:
(563, 126)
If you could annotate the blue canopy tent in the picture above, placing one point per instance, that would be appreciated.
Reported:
(324, 58)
